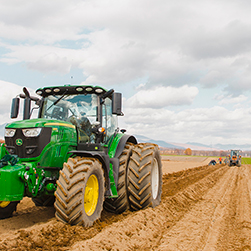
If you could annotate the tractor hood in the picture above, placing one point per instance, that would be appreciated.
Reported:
(31, 123)
(32, 137)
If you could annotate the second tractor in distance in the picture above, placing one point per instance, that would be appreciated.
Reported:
(234, 158)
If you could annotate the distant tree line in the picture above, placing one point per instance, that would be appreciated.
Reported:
(190, 152)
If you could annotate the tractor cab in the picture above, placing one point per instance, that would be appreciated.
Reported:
(92, 110)
(87, 108)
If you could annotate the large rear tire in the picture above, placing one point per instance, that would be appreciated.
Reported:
(120, 204)
(80, 192)
(145, 176)
(7, 208)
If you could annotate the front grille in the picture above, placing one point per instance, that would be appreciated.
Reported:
(31, 146)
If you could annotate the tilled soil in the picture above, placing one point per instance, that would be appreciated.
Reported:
(203, 208)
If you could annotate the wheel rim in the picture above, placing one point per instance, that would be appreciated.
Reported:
(91, 195)
(155, 179)
(4, 203)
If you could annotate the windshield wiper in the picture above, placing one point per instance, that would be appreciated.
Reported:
(55, 102)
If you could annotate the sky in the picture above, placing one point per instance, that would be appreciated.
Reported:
(183, 67)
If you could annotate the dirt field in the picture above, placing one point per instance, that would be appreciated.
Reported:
(202, 208)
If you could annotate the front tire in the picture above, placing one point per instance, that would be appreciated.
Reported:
(7, 208)
(145, 176)
(80, 192)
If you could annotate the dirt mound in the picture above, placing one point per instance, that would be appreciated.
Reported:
(179, 163)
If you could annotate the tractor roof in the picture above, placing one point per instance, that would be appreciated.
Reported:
(70, 89)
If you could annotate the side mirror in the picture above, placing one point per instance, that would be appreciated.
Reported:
(27, 108)
(117, 103)
(15, 108)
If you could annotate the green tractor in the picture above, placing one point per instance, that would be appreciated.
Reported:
(75, 158)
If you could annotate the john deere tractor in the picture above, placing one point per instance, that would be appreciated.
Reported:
(234, 158)
(75, 158)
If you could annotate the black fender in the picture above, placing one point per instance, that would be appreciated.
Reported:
(125, 138)
(115, 160)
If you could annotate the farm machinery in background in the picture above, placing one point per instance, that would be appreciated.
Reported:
(234, 158)
(75, 158)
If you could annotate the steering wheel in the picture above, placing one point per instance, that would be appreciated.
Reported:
(57, 114)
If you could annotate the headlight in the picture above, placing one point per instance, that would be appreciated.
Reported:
(31, 132)
(9, 132)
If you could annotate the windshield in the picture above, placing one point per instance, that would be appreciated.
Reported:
(69, 106)
(81, 110)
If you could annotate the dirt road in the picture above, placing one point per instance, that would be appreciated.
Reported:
(202, 208)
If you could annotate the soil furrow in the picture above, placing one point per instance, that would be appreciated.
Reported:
(53, 235)
(221, 221)
(198, 226)
(144, 230)
(202, 208)
(236, 232)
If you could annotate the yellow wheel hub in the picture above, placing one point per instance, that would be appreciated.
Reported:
(4, 203)
(91, 195)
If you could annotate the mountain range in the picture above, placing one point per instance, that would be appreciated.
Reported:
(194, 145)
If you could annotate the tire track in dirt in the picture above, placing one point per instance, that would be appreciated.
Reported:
(200, 226)
(221, 221)
(133, 229)
(236, 233)
(145, 229)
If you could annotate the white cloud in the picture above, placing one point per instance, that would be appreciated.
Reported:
(230, 99)
(8, 92)
(51, 62)
(205, 125)
(175, 45)
(43, 21)
(159, 97)
(215, 42)
(168, 42)
(43, 58)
